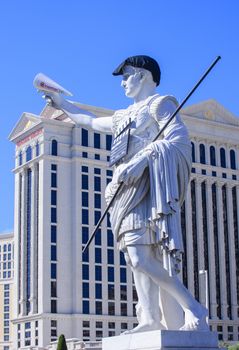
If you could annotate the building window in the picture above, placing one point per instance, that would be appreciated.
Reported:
(54, 147)
(122, 259)
(85, 255)
(233, 159)
(53, 289)
(111, 274)
(110, 238)
(84, 169)
(108, 142)
(84, 182)
(53, 180)
(212, 156)
(193, 152)
(28, 153)
(85, 272)
(85, 290)
(98, 291)
(98, 273)
(111, 308)
(98, 324)
(53, 306)
(111, 292)
(98, 237)
(53, 234)
(96, 140)
(202, 154)
(53, 197)
(85, 234)
(53, 215)
(97, 183)
(97, 216)
(223, 157)
(85, 199)
(98, 308)
(123, 292)
(84, 155)
(123, 275)
(86, 307)
(84, 137)
(97, 198)
(53, 253)
(123, 309)
(85, 217)
(98, 255)
(53, 271)
(110, 256)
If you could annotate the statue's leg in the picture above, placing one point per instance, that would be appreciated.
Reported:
(148, 312)
(168, 304)
(144, 260)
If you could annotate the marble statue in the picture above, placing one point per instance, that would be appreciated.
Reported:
(145, 215)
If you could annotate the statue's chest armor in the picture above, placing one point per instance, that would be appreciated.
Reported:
(134, 131)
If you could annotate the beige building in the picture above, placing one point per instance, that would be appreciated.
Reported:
(6, 290)
(61, 172)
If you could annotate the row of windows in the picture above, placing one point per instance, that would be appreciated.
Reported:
(111, 308)
(98, 273)
(98, 240)
(54, 234)
(6, 247)
(97, 139)
(6, 315)
(29, 153)
(213, 161)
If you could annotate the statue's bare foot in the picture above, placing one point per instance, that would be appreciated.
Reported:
(145, 327)
(195, 321)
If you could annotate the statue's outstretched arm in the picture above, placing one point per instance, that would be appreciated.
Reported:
(80, 116)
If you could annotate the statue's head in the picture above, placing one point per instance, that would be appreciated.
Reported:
(141, 61)
(138, 72)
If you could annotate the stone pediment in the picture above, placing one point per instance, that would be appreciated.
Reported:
(211, 110)
(27, 121)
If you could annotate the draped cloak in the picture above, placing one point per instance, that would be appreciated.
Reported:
(148, 212)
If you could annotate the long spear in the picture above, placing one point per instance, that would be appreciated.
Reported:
(157, 136)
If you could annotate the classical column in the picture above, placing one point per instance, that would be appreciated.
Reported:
(33, 253)
(23, 243)
(221, 245)
(189, 239)
(231, 241)
(211, 251)
(200, 247)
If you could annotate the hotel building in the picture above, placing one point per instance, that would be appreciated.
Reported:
(61, 172)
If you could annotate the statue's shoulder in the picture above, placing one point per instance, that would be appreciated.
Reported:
(159, 103)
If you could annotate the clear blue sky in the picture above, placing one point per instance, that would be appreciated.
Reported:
(79, 43)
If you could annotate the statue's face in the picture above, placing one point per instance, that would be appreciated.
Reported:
(131, 81)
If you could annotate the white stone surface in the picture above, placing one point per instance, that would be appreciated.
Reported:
(157, 340)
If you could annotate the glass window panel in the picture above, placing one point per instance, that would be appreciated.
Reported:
(84, 137)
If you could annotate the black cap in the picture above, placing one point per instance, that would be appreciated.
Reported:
(141, 61)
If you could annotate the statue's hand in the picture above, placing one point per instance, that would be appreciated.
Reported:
(54, 99)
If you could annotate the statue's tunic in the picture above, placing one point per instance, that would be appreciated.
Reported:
(148, 212)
